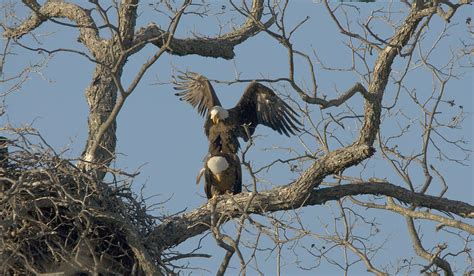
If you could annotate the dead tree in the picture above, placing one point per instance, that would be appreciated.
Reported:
(85, 225)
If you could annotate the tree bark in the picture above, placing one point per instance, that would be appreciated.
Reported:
(176, 230)
(101, 97)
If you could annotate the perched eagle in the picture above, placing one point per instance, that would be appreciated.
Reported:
(222, 174)
(258, 105)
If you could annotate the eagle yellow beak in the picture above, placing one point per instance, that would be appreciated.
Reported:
(218, 177)
(215, 119)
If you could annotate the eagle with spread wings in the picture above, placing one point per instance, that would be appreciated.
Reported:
(258, 105)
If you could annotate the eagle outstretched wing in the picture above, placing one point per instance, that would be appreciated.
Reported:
(260, 105)
(196, 90)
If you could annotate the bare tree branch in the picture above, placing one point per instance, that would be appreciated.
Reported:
(423, 253)
(175, 230)
(89, 34)
(217, 47)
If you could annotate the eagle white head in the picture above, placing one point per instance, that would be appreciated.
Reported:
(217, 164)
(218, 113)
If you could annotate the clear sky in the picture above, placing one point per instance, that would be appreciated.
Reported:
(163, 138)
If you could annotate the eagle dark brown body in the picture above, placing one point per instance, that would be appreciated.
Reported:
(222, 137)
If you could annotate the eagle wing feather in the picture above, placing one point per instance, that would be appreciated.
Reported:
(260, 105)
(196, 90)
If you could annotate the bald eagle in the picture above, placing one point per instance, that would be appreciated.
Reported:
(258, 105)
(222, 174)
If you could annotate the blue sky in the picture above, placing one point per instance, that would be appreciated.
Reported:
(163, 138)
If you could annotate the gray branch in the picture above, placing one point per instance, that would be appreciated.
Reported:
(89, 33)
(176, 230)
(217, 47)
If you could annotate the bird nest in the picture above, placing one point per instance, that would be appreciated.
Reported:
(55, 218)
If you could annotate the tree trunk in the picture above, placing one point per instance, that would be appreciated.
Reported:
(101, 97)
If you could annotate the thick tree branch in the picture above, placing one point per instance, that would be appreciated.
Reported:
(127, 21)
(217, 47)
(410, 212)
(89, 34)
(382, 71)
(427, 215)
(175, 230)
(459, 208)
